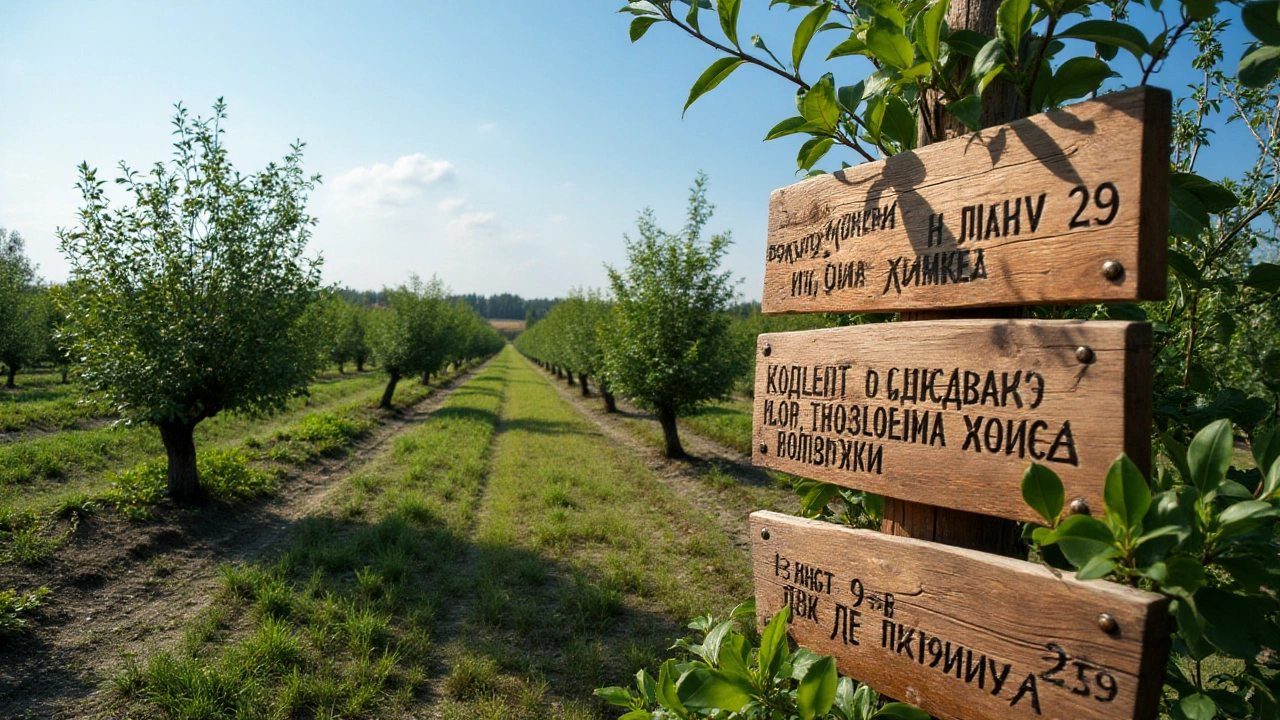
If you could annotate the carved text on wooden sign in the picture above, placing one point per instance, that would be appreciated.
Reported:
(1066, 206)
(960, 633)
(951, 412)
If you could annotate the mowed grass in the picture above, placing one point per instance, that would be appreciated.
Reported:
(587, 567)
(339, 622)
(727, 422)
(46, 406)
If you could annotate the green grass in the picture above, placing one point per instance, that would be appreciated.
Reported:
(727, 422)
(47, 407)
(339, 622)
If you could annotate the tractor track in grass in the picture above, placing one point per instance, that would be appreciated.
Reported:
(731, 509)
(124, 589)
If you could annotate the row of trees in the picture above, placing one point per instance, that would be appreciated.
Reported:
(664, 340)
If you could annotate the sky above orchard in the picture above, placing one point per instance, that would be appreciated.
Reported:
(504, 146)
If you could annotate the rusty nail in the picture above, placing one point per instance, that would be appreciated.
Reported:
(1112, 270)
(764, 449)
(1084, 354)
(767, 349)
(1108, 623)
(764, 533)
(1079, 506)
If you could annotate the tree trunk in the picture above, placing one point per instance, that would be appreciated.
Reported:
(610, 405)
(391, 389)
(13, 371)
(180, 446)
(64, 375)
(582, 382)
(1000, 104)
(340, 367)
(568, 377)
(670, 433)
(359, 364)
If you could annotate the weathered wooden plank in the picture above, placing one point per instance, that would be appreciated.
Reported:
(1018, 214)
(962, 634)
(951, 412)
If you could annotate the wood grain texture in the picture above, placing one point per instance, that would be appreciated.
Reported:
(859, 240)
(951, 412)
(966, 635)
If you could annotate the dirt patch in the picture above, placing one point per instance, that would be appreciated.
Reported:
(122, 589)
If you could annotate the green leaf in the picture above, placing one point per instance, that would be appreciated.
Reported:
(887, 43)
(692, 17)
(641, 24)
(967, 111)
(853, 46)
(1042, 490)
(1212, 196)
(1013, 21)
(1244, 517)
(710, 78)
(1111, 32)
(1266, 447)
(728, 10)
(615, 696)
(990, 57)
(900, 711)
(889, 12)
(1264, 276)
(817, 690)
(1200, 9)
(773, 643)
(819, 105)
(1177, 454)
(647, 686)
(735, 656)
(850, 97)
(1184, 266)
(1078, 77)
(863, 701)
(1182, 575)
(1081, 538)
(1209, 455)
(899, 124)
(668, 697)
(1126, 495)
(1098, 566)
(704, 688)
(929, 32)
(967, 42)
(1259, 66)
(813, 502)
(791, 126)
(637, 715)
(843, 706)
(1187, 214)
(1198, 707)
(804, 33)
(812, 151)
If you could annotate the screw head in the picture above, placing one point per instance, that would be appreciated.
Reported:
(768, 349)
(1079, 506)
(764, 533)
(1084, 354)
(1112, 270)
(764, 449)
(1107, 623)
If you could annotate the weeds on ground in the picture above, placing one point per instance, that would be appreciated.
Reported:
(224, 474)
(17, 608)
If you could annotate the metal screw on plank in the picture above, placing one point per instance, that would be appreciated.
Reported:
(1084, 354)
(767, 349)
(764, 449)
(1112, 270)
(764, 533)
(1079, 506)
(1108, 623)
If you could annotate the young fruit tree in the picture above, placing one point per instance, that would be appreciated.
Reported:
(196, 295)
(668, 348)
(408, 338)
(22, 308)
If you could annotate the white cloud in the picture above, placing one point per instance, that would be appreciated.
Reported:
(397, 184)
(471, 222)
(450, 204)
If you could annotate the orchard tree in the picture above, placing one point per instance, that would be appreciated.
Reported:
(668, 348)
(195, 296)
(22, 310)
(408, 337)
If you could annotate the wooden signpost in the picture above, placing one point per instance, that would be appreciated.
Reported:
(1067, 206)
(951, 412)
(945, 416)
(960, 633)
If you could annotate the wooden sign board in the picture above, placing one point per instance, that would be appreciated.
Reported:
(952, 412)
(960, 633)
(1020, 214)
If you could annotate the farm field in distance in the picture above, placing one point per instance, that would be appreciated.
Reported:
(495, 546)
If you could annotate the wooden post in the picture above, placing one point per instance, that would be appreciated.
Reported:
(1000, 104)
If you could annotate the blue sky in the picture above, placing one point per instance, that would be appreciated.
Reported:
(504, 146)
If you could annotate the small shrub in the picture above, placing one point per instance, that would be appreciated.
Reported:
(17, 608)
(471, 676)
(134, 491)
(227, 475)
(77, 505)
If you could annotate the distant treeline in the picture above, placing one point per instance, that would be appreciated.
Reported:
(503, 306)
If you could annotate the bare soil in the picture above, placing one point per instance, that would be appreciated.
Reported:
(122, 589)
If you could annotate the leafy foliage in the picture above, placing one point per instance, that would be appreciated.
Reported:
(22, 321)
(729, 678)
(1206, 538)
(17, 608)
